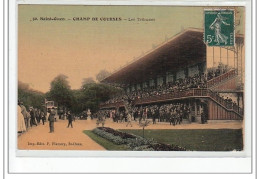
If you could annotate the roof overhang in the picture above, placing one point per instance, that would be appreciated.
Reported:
(184, 49)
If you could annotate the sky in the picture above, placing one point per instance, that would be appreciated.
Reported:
(80, 49)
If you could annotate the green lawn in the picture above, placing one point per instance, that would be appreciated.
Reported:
(104, 142)
(196, 139)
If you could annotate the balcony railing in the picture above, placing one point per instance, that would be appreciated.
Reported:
(181, 94)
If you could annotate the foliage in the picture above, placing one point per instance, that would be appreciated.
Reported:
(158, 147)
(165, 147)
(140, 143)
(95, 93)
(101, 121)
(60, 91)
(123, 135)
(144, 125)
(89, 96)
(143, 148)
(135, 143)
(115, 139)
(178, 148)
(88, 81)
(76, 102)
(102, 75)
(30, 97)
(104, 142)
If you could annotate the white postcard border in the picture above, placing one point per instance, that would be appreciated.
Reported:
(18, 164)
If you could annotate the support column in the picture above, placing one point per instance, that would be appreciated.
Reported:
(237, 58)
(197, 108)
(155, 81)
(164, 79)
(220, 60)
(234, 58)
(227, 58)
(242, 77)
(213, 58)
(238, 99)
(242, 96)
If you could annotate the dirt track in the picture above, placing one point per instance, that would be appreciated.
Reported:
(65, 138)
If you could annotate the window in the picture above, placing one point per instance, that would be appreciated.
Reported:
(133, 87)
(180, 74)
(159, 80)
(144, 85)
(151, 82)
(138, 86)
(169, 77)
(193, 70)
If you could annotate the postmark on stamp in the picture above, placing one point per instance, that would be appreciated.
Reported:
(219, 27)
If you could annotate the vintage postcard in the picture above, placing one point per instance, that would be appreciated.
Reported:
(131, 78)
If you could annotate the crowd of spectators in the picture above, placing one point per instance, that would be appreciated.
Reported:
(182, 84)
(215, 72)
(29, 118)
(173, 113)
(196, 81)
(231, 104)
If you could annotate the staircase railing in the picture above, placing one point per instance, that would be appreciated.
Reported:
(221, 78)
(227, 104)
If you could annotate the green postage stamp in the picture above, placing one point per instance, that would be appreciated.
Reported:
(219, 27)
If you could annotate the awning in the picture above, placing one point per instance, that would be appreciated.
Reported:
(184, 49)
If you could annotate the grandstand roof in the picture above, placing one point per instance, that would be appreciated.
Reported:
(183, 50)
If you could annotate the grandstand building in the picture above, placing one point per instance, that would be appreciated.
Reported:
(186, 55)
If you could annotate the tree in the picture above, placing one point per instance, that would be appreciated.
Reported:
(144, 125)
(88, 81)
(102, 75)
(30, 97)
(95, 93)
(60, 91)
(77, 103)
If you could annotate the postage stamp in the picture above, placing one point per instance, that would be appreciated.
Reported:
(219, 27)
